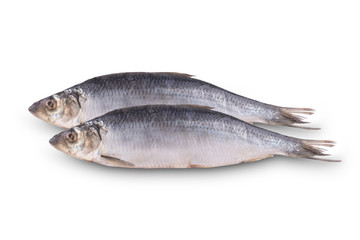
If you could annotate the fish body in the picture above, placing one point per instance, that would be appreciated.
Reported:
(165, 136)
(100, 95)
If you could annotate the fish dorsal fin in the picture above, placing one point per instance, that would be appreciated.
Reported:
(196, 106)
(178, 74)
(115, 162)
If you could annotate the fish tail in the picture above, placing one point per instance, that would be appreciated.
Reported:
(312, 149)
(291, 116)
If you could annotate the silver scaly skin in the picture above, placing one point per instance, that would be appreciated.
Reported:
(182, 136)
(100, 95)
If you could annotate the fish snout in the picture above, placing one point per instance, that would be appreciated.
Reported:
(58, 142)
(55, 140)
(34, 108)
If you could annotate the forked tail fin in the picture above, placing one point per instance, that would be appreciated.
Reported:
(291, 116)
(313, 149)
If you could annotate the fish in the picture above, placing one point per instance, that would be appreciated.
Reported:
(102, 94)
(178, 136)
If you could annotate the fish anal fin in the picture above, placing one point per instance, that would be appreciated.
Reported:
(227, 164)
(198, 166)
(196, 106)
(178, 74)
(114, 162)
(257, 159)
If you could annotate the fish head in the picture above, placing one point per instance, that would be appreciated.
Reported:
(61, 109)
(82, 142)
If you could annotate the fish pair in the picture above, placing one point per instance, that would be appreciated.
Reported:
(169, 120)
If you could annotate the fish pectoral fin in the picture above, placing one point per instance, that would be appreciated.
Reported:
(115, 162)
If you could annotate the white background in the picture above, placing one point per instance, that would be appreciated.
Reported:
(289, 53)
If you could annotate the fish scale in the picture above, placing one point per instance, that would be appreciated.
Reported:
(178, 136)
(176, 89)
(106, 93)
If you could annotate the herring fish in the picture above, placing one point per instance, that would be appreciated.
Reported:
(100, 95)
(182, 136)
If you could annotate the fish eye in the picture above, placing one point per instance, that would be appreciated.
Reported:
(51, 104)
(71, 136)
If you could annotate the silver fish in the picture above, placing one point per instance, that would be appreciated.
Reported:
(100, 95)
(167, 136)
